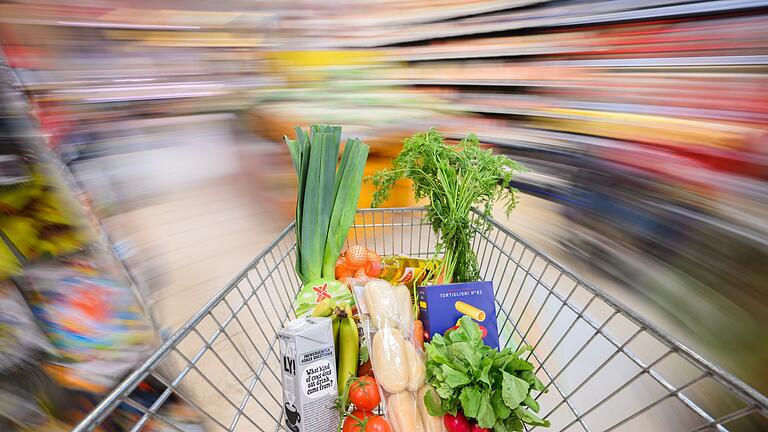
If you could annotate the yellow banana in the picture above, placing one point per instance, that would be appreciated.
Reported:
(325, 308)
(335, 321)
(349, 346)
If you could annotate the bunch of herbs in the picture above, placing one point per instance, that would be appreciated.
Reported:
(454, 178)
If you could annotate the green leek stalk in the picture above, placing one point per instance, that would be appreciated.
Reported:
(327, 197)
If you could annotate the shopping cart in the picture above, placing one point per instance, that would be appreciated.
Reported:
(605, 368)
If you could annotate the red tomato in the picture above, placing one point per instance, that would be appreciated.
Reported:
(364, 421)
(476, 428)
(456, 424)
(378, 424)
(356, 421)
(364, 393)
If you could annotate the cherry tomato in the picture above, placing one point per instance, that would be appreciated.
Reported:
(459, 423)
(364, 393)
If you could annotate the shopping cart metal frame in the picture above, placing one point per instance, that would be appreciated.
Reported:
(554, 291)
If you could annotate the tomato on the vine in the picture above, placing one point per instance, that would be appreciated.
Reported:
(364, 421)
(356, 421)
(364, 393)
(378, 424)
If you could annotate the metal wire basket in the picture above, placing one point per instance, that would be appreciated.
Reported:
(605, 368)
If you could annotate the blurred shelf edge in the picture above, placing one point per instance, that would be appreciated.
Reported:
(12, 96)
(442, 13)
(591, 17)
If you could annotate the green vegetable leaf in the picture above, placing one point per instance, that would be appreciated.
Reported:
(531, 418)
(465, 351)
(514, 424)
(433, 404)
(485, 373)
(470, 401)
(532, 380)
(517, 364)
(436, 354)
(486, 418)
(514, 390)
(500, 408)
(454, 378)
(531, 403)
(500, 426)
(469, 327)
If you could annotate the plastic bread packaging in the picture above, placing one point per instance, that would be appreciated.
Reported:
(385, 304)
(397, 362)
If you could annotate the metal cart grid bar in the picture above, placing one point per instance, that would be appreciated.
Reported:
(605, 368)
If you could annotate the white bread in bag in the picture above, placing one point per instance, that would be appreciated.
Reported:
(382, 305)
(430, 423)
(389, 360)
(416, 369)
(403, 413)
(405, 309)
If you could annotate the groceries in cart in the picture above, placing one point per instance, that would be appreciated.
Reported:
(441, 307)
(463, 368)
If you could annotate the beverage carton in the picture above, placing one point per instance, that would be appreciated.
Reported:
(309, 375)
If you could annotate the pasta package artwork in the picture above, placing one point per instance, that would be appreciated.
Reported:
(442, 306)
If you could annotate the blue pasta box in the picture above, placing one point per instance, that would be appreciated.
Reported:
(441, 307)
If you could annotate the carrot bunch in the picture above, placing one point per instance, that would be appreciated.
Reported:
(358, 262)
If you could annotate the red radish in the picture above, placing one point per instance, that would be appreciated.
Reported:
(357, 256)
(476, 428)
(459, 423)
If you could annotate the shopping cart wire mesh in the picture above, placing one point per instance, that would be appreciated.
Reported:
(604, 367)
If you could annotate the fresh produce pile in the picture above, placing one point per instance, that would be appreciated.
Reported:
(492, 388)
(387, 378)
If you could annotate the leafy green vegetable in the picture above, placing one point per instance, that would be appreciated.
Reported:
(492, 387)
(327, 197)
(454, 178)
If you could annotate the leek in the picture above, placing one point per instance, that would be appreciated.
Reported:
(327, 197)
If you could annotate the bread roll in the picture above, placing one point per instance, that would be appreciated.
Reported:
(416, 369)
(403, 413)
(430, 423)
(404, 309)
(382, 304)
(389, 360)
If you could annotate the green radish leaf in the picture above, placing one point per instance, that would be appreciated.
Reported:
(513, 389)
(470, 401)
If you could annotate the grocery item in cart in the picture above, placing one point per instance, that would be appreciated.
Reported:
(309, 375)
(396, 360)
(441, 307)
(401, 269)
(313, 293)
